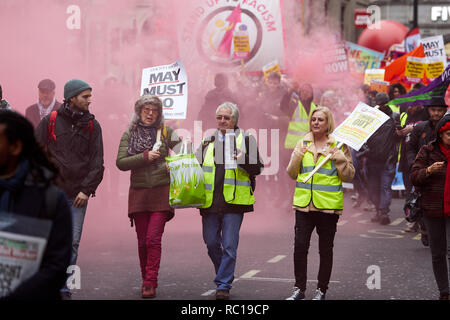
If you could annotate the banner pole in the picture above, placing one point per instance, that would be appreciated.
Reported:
(320, 164)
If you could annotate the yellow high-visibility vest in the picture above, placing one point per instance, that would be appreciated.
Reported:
(324, 189)
(237, 187)
(298, 126)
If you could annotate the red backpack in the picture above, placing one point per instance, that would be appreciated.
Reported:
(51, 126)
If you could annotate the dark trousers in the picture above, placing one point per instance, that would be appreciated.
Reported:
(325, 225)
(380, 177)
(439, 237)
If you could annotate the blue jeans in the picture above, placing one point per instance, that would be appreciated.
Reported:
(380, 177)
(221, 236)
(77, 227)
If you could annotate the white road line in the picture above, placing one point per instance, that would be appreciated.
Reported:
(341, 223)
(418, 237)
(208, 293)
(249, 274)
(356, 215)
(397, 221)
(279, 279)
(276, 259)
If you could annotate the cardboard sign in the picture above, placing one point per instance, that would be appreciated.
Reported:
(360, 125)
(336, 59)
(434, 47)
(271, 67)
(241, 43)
(170, 84)
(435, 67)
(373, 74)
(415, 68)
(379, 86)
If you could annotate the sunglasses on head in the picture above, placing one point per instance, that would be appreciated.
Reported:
(224, 117)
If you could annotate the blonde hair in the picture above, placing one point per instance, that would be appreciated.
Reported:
(328, 116)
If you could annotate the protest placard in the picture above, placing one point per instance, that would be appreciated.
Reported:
(434, 47)
(241, 43)
(22, 244)
(336, 60)
(362, 58)
(354, 131)
(359, 125)
(435, 67)
(373, 74)
(415, 68)
(271, 67)
(170, 84)
(379, 86)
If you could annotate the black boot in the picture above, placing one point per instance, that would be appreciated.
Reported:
(376, 217)
(384, 217)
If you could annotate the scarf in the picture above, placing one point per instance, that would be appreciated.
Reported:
(12, 185)
(446, 153)
(143, 137)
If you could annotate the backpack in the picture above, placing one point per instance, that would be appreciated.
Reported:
(51, 126)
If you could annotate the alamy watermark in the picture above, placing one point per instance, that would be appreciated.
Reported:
(374, 281)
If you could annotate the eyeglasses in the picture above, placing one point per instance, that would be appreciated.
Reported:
(148, 111)
(220, 117)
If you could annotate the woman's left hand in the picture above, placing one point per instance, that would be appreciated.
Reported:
(333, 151)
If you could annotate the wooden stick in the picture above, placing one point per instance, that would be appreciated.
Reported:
(320, 164)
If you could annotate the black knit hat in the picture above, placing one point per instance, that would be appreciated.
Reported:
(437, 101)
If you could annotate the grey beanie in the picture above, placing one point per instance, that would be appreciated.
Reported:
(75, 87)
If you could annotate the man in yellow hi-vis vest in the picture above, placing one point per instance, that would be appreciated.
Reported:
(230, 161)
(299, 123)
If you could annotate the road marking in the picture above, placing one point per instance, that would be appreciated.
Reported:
(209, 292)
(367, 221)
(341, 223)
(356, 215)
(397, 222)
(249, 274)
(276, 259)
(279, 279)
(418, 237)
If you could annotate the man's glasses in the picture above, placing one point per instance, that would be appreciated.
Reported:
(223, 117)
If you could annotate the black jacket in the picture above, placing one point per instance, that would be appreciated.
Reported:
(253, 165)
(422, 134)
(382, 146)
(32, 113)
(78, 153)
(30, 200)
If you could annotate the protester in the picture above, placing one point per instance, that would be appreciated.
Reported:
(303, 106)
(46, 102)
(220, 94)
(27, 189)
(422, 134)
(148, 198)
(396, 90)
(74, 140)
(4, 105)
(409, 117)
(229, 193)
(431, 174)
(319, 202)
(381, 152)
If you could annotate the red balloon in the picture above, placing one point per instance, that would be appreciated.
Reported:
(383, 36)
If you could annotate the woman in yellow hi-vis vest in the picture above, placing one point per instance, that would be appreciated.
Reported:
(318, 202)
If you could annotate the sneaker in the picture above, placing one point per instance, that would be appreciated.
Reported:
(319, 295)
(223, 294)
(384, 220)
(297, 294)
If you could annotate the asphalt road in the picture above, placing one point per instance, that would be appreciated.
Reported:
(109, 264)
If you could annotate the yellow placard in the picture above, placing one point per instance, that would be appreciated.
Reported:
(373, 74)
(435, 69)
(415, 69)
(241, 44)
